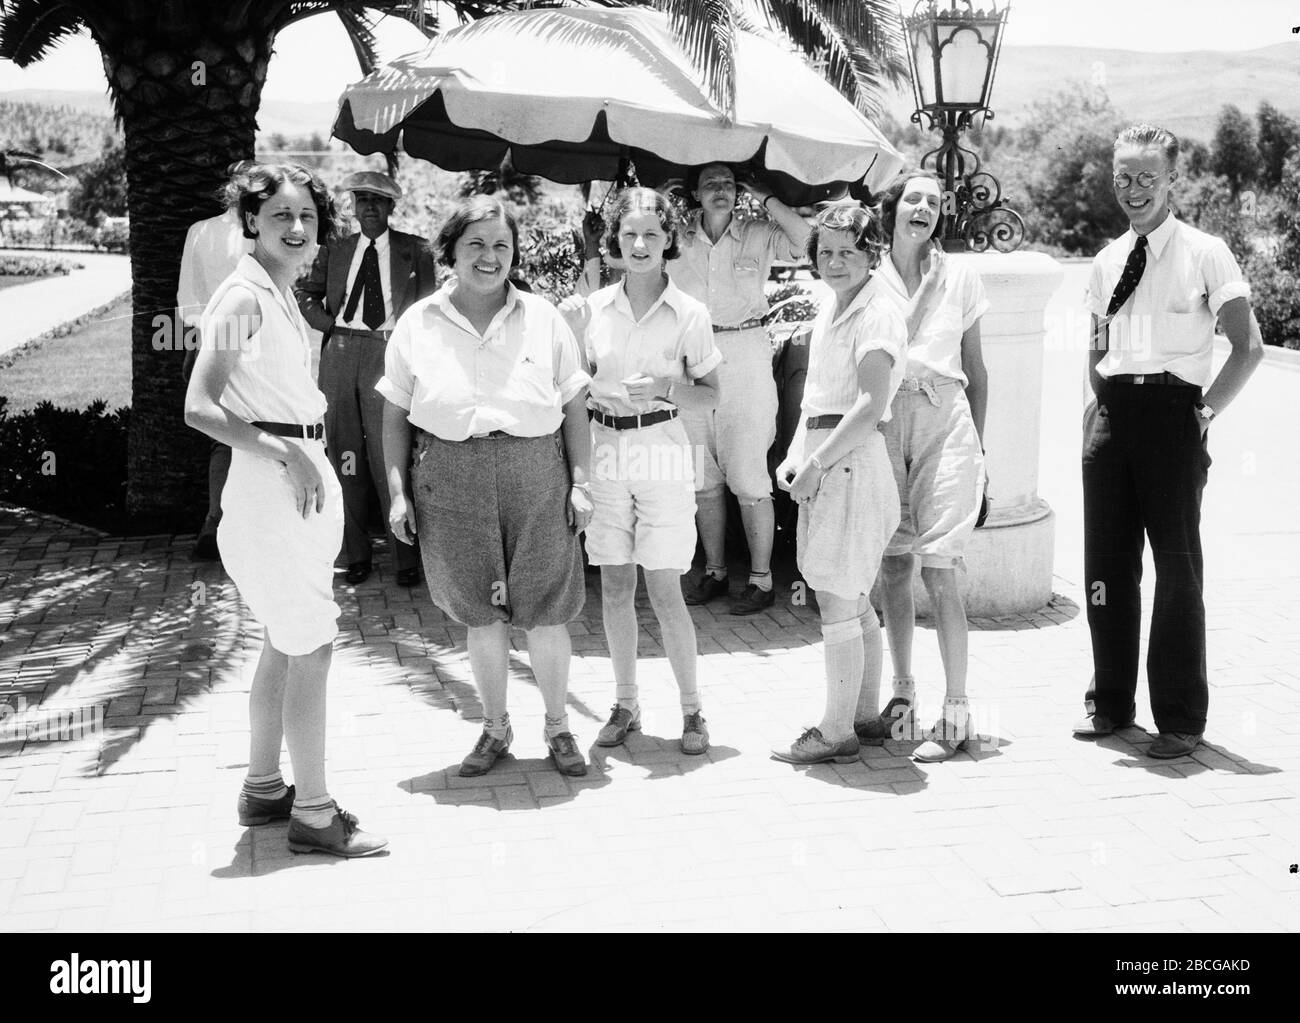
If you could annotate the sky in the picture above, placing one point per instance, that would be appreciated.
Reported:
(314, 62)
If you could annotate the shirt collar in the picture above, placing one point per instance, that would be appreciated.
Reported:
(616, 296)
(1157, 239)
(888, 275)
(381, 243)
(255, 272)
(695, 225)
(860, 301)
(442, 301)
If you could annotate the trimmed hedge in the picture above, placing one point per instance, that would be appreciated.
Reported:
(36, 266)
(66, 462)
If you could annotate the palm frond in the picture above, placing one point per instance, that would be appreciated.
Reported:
(29, 29)
(361, 34)
(858, 43)
(706, 31)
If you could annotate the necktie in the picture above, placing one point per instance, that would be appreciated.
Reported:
(1128, 280)
(367, 282)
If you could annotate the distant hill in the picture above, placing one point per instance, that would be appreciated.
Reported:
(1182, 91)
(67, 135)
(290, 119)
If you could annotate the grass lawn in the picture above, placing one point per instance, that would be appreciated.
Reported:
(75, 370)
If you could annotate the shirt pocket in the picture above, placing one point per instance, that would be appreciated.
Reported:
(533, 384)
(746, 268)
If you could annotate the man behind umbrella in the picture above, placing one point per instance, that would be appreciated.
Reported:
(357, 289)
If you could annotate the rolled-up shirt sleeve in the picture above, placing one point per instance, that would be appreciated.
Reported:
(701, 354)
(974, 302)
(880, 328)
(1222, 276)
(570, 377)
(398, 382)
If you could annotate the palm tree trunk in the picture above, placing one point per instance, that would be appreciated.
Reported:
(188, 108)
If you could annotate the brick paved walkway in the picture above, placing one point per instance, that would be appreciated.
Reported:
(134, 827)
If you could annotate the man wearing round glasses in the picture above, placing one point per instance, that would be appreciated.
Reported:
(1155, 295)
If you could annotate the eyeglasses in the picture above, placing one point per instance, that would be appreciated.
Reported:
(1145, 180)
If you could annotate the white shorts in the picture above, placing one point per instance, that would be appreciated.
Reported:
(842, 532)
(939, 472)
(282, 564)
(643, 490)
(732, 440)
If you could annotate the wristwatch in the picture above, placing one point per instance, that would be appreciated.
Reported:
(1205, 412)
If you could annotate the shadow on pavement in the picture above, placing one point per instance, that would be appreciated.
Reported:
(659, 757)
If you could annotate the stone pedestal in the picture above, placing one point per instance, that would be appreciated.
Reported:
(1009, 560)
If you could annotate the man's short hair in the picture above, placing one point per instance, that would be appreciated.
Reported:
(1150, 135)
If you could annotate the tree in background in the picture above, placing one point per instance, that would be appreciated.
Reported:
(1274, 271)
(101, 187)
(1062, 165)
(186, 80)
(1278, 136)
(1233, 153)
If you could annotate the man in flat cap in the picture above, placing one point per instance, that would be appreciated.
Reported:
(356, 290)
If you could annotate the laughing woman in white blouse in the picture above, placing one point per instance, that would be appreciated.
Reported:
(282, 510)
(933, 438)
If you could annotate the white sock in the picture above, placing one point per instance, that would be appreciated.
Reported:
(316, 812)
(497, 727)
(905, 688)
(763, 580)
(873, 656)
(265, 786)
(717, 571)
(556, 726)
(844, 656)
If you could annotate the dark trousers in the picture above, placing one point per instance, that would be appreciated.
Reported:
(1144, 469)
(350, 366)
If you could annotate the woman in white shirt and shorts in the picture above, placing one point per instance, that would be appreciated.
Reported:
(838, 471)
(650, 349)
(282, 513)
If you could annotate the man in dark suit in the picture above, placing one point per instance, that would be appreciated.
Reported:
(356, 290)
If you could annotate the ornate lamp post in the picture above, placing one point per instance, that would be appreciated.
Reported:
(953, 56)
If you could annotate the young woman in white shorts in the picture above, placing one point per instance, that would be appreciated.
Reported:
(282, 513)
(933, 439)
(838, 470)
(650, 351)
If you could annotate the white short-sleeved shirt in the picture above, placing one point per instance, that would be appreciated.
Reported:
(935, 349)
(729, 275)
(1168, 323)
(455, 383)
(673, 339)
(212, 250)
(272, 380)
(873, 321)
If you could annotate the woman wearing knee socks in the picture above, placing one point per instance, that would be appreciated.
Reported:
(838, 470)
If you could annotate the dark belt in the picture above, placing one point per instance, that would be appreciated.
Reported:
(1148, 378)
(747, 325)
(632, 422)
(823, 422)
(297, 430)
(377, 335)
